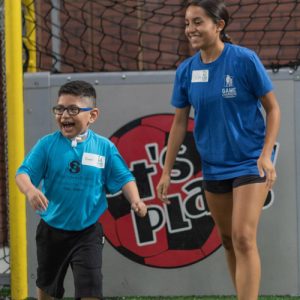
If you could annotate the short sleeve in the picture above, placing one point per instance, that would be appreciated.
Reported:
(180, 91)
(118, 173)
(34, 164)
(258, 77)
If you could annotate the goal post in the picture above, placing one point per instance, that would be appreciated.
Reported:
(15, 146)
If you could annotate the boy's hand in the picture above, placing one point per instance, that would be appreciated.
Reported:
(37, 199)
(139, 208)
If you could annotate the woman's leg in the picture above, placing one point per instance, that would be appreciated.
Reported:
(248, 201)
(220, 206)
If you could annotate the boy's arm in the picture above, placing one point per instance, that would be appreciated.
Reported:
(131, 193)
(35, 197)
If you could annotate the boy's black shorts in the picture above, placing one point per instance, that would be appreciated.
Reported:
(227, 185)
(82, 250)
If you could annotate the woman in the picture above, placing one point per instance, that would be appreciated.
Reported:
(227, 86)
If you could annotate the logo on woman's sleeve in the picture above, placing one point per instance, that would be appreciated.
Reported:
(229, 91)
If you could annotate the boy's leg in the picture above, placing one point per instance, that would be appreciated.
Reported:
(248, 201)
(87, 264)
(53, 257)
(41, 295)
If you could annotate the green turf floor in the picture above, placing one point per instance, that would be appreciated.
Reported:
(202, 298)
(5, 294)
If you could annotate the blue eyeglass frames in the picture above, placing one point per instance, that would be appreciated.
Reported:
(71, 110)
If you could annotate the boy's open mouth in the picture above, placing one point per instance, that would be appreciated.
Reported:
(67, 125)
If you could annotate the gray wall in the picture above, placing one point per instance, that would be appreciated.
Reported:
(149, 93)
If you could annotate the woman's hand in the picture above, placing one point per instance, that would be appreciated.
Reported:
(266, 167)
(162, 188)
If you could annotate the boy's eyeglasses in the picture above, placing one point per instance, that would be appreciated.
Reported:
(71, 110)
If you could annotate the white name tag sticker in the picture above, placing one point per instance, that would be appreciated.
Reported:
(93, 160)
(200, 76)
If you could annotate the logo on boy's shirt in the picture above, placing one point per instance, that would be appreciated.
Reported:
(74, 166)
(229, 91)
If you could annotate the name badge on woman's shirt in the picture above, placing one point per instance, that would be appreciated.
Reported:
(93, 160)
(200, 76)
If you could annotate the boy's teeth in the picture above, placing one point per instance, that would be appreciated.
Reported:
(68, 125)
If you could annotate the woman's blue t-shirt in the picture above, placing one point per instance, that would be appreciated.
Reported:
(225, 94)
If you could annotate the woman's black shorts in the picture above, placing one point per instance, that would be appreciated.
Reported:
(58, 249)
(227, 185)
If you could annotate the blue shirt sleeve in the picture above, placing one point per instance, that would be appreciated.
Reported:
(180, 94)
(34, 164)
(118, 173)
(259, 81)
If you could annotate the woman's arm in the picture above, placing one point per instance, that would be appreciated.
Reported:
(176, 137)
(264, 162)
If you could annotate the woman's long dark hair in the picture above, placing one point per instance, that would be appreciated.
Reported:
(216, 10)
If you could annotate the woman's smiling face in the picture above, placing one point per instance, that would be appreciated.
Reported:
(201, 31)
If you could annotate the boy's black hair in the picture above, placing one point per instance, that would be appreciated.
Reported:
(79, 88)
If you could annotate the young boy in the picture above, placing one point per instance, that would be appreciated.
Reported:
(75, 166)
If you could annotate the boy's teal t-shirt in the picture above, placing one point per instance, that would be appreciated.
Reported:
(75, 179)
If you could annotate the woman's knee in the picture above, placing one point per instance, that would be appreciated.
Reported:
(243, 242)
